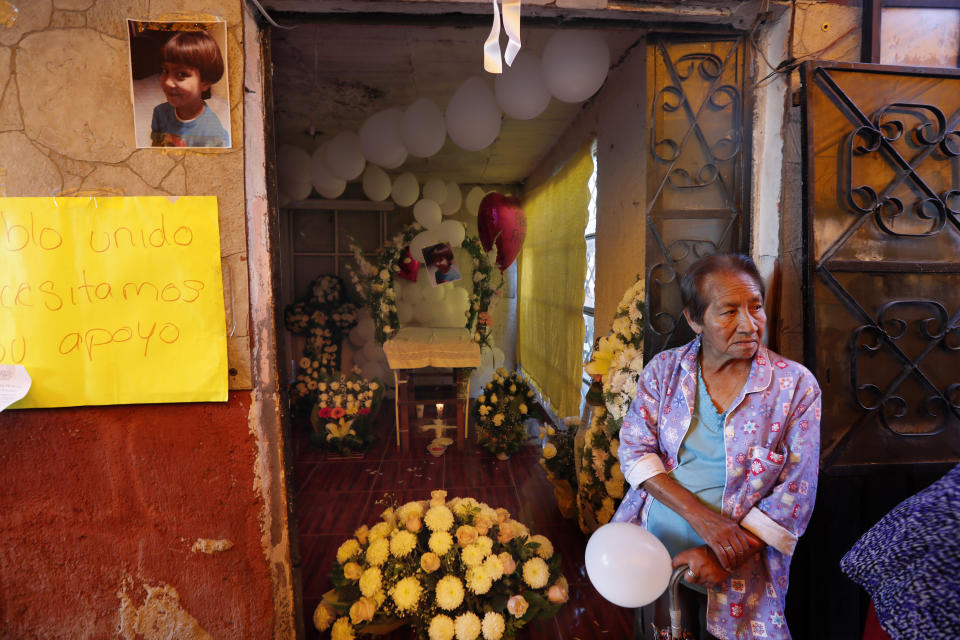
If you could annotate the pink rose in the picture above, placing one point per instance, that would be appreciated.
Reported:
(362, 610)
(559, 591)
(509, 564)
(352, 571)
(506, 533)
(413, 523)
(430, 562)
(361, 534)
(517, 606)
(466, 534)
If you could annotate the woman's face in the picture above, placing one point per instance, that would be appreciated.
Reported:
(734, 320)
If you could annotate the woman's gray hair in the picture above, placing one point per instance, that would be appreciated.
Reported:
(691, 283)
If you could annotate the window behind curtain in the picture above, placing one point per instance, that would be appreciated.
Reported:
(553, 265)
(589, 297)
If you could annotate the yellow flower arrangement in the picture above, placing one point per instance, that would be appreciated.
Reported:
(455, 577)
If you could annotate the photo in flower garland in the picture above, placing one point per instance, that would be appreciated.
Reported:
(618, 360)
(500, 412)
(453, 568)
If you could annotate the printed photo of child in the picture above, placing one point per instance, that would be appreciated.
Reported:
(179, 84)
(441, 265)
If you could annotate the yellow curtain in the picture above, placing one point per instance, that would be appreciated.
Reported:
(552, 267)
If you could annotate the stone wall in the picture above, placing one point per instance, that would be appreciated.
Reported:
(132, 521)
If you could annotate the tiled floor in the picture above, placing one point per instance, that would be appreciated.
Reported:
(335, 497)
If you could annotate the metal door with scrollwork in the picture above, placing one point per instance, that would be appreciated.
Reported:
(697, 172)
(882, 214)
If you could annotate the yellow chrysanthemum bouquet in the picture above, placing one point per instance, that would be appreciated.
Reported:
(500, 411)
(451, 569)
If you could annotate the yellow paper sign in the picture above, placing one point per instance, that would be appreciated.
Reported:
(113, 300)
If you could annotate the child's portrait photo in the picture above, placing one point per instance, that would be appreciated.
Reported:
(181, 97)
(441, 265)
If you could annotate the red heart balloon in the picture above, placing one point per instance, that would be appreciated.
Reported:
(409, 267)
(500, 220)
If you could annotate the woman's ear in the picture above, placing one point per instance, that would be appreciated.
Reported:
(697, 327)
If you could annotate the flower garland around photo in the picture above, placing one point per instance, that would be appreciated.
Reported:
(344, 412)
(618, 359)
(500, 411)
(456, 568)
(375, 282)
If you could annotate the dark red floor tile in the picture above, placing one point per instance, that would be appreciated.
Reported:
(409, 474)
(476, 471)
(301, 474)
(587, 616)
(343, 476)
(317, 555)
(331, 512)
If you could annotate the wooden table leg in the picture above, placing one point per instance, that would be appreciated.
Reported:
(403, 395)
(461, 407)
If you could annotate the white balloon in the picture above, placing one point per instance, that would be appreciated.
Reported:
(454, 306)
(405, 189)
(359, 358)
(479, 378)
(406, 311)
(498, 357)
(326, 184)
(293, 164)
(380, 139)
(520, 89)
(371, 350)
(343, 156)
(451, 203)
(473, 117)
(575, 64)
(627, 564)
(424, 314)
(423, 239)
(436, 190)
(356, 337)
(427, 213)
(453, 232)
(474, 196)
(376, 183)
(486, 358)
(422, 129)
(372, 370)
(365, 329)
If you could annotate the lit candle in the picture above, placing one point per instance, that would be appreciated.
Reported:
(439, 409)
(419, 410)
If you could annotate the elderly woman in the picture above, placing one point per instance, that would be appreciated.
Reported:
(721, 447)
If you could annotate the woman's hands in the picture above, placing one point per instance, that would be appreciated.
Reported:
(703, 567)
(730, 543)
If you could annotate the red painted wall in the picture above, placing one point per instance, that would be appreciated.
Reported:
(89, 496)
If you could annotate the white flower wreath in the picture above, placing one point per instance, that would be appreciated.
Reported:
(618, 359)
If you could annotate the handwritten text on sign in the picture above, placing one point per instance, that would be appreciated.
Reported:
(113, 300)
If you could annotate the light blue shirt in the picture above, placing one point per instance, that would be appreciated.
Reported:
(701, 470)
(203, 131)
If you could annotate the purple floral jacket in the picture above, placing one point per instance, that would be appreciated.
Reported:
(772, 442)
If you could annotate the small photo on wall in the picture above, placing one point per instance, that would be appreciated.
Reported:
(441, 265)
(181, 96)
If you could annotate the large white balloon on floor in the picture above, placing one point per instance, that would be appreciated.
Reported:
(343, 156)
(380, 139)
(575, 64)
(451, 204)
(293, 172)
(326, 184)
(474, 197)
(376, 183)
(473, 116)
(422, 129)
(405, 190)
(627, 564)
(520, 89)
(435, 189)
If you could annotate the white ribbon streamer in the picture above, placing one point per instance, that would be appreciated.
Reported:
(511, 24)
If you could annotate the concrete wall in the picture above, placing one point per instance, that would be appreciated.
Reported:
(153, 521)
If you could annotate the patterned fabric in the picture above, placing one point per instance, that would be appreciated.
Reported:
(772, 449)
(909, 562)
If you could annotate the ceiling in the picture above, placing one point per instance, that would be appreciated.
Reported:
(331, 77)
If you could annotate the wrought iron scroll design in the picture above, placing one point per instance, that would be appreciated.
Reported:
(937, 330)
(703, 74)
